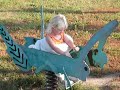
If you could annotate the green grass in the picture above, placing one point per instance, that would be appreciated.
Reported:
(116, 35)
(11, 78)
(84, 17)
(80, 13)
(80, 87)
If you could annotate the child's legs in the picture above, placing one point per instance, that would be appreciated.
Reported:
(42, 45)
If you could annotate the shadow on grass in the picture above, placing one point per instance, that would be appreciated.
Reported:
(19, 25)
(6, 71)
(29, 25)
(22, 83)
(36, 25)
(48, 10)
(108, 87)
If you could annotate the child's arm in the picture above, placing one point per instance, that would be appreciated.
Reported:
(69, 41)
(56, 49)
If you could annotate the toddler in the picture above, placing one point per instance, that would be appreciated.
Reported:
(56, 41)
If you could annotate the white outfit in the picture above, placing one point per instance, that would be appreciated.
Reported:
(44, 46)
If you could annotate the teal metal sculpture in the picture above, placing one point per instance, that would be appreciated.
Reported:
(26, 58)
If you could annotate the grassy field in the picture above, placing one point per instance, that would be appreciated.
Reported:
(85, 17)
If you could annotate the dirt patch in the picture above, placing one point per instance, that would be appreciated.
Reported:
(107, 82)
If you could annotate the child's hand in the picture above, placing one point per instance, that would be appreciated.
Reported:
(76, 48)
(68, 54)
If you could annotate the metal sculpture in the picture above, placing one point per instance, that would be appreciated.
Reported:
(26, 58)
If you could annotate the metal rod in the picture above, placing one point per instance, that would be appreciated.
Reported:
(42, 20)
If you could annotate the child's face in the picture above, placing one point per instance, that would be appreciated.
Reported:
(57, 31)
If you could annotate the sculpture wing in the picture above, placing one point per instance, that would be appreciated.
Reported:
(101, 36)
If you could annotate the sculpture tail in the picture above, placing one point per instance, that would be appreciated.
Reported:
(15, 51)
